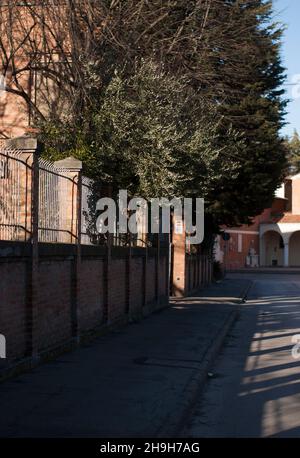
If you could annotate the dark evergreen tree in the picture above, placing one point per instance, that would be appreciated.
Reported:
(293, 148)
(226, 53)
(252, 76)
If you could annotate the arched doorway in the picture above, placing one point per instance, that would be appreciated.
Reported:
(294, 249)
(273, 249)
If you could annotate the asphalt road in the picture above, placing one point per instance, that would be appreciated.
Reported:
(254, 387)
(136, 381)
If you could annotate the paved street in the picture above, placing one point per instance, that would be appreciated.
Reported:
(254, 389)
(138, 381)
(142, 380)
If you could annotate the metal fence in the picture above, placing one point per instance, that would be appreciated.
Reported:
(90, 193)
(26, 189)
(58, 193)
(15, 201)
(56, 203)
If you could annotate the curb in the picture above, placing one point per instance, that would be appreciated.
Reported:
(245, 293)
(173, 428)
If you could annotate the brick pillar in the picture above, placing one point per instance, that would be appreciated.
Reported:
(199, 269)
(179, 260)
(144, 277)
(69, 190)
(107, 280)
(27, 148)
(29, 178)
(128, 274)
(157, 256)
(202, 270)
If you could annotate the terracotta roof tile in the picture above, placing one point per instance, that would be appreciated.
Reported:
(289, 218)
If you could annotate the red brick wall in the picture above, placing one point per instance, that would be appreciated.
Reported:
(54, 303)
(234, 259)
(163, 278)
(136, 297)
(150, 280)
(13, 306)
(192, 268)
(117, 290)
(91, 294)
(71, 298)
(180, 275)
(196, 271)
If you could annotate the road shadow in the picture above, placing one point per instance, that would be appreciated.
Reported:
(255, 391)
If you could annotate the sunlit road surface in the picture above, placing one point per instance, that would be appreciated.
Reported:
(254, 387)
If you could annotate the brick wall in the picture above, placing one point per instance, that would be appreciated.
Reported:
(13, 305)
(191, 267)
(117, 290)
(198, 271)
(238, 247)
(54, 296)
(191, 272)
(91, 293)
(136, 298)
(245, 238)
(150, 280)
(69, 296)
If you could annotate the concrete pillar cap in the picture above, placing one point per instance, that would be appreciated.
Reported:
(70, 163)
(26, 144)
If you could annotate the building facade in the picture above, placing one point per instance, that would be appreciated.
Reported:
(273, 240)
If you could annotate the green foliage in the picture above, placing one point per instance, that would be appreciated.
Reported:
(142, 135)
(293, 148)
(186, 100)
(254, 105)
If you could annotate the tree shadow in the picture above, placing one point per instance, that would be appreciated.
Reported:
(269, 386)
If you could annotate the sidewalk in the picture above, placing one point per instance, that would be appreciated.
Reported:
(137, 382)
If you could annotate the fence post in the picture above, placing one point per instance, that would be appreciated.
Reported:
(35, 253)
(107, 279)
(77, 279)
(72, 211)
(210, 268)
(168, 274)
(157, 270)
(145, 268)
(27, 147)
(198, 270)
(70, 196)
(180, 264)
(128, 277)
(31, 148)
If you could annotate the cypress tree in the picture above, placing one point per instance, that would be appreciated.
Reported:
(293, 147)
(227, 52)
(252, 75)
